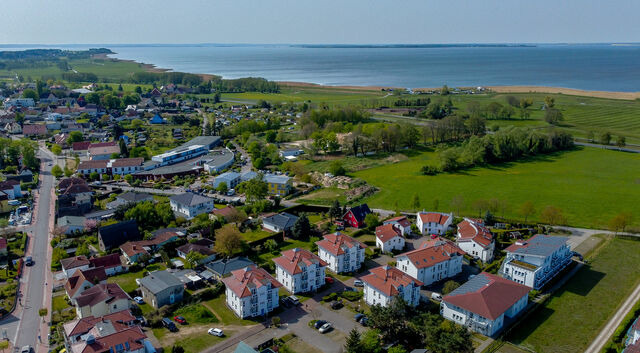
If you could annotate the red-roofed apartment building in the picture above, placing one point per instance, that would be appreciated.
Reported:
(341, 252)
(432, 262)
(300, 271)
(484, 303)
(433, 222)
(476, 239)
(251, 292)
(401, 222)
(385, 283)
(389, 238)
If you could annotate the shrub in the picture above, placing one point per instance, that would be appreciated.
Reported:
(330, 297)
(352, 296)
(430, 170)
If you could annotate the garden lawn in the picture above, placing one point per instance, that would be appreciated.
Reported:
(576, 313)
(228, 317)
(198, 342)
(324, 196)
(127, 281)
(255, 235)
(589, 185)
(197, 314)
(58, 303)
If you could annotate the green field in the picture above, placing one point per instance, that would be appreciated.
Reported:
(589, 185)
(127, 281)
(574, 315)
(331, 96)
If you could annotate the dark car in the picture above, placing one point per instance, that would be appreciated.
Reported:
(358, 317)
(336, 305)
(349, 289)
(364, 321)
(319, 324)
(28, 261)
(170, 325)
(286, 303)
(180, 319)
(328, 280)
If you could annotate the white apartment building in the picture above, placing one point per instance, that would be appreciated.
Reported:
(385, 283)
(300, 271)
(432, 262)
(433, 222)
(251, 292)
(341, 252)
(475, 239)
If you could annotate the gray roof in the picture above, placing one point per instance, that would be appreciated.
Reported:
(158, 281)
(473, 285)
(276, 179)
(282, 220)
(224, 266)
(71, 221)
(541, 245)
(217, 157)
(190, 199)
(135, 196)
(210, 141)
(228, 176)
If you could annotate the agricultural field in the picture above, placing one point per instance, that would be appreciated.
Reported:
(589, 185)
(299, 94)
(585, 303)
(106, 69)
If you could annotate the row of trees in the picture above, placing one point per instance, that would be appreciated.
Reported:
(505, 145)
(12, 152)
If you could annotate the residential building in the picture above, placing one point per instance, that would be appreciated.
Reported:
(133, 251)
(401, 223)
(281, 222)
(432, 262)
(476, 239)
(433, 222)
(279, 185)
(96, 153)
(108, 324)
(13, 128)
(72, 264)
(341, 252)
(385, 283)
(114, 235)
(71, 224)
(75, 197)
(37, 130)
(102, 299)
(485, 303)
(226, 212)
(534, 262)
(251, 292)
(129, 197)
(223, 267)
(205, 250)
(129, 340)
(231, 179)
(300, 271)
(190, 205)
(355, 216)
(83, 280)
(632, 343)
(389, 238)
(11, 188)
(111, 264)
(161, 288)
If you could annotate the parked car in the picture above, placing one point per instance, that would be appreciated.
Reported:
(364, 321)
(28, 261)
(328, 280)
(216, 332)
(336, 305)
(325, 328)
(349, 289)
(436, 296)
(358, 283)
(358, 317)
(26, 349)
(138, 300)
(319, 324)
(286, 302)
(170, 325)
(294, 300)
(180, 319)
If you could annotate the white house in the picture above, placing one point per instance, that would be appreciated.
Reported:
(433, 222)
(101, 300)
(484, 302)
(633, 338)
(535, 261)
(300, 271)
(251, 292)
(190, 205)
(402, 223)
(341, 252)
(475, 239)
(385, 283)
(280, 222)
(434, 261)
(72, 264)
(389, 238)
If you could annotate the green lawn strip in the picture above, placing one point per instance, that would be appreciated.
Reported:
(196, 313)
(127, 281)
(255, 235)
(225, 314)
(197, 342)
(589, 185)
(324, 196)
(585, 303)
(58, 303)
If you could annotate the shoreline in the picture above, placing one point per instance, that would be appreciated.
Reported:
(495, 89)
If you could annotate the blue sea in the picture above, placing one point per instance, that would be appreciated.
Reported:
(604, 67)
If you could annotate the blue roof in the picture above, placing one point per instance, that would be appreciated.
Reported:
(157, 119)
(244, 348)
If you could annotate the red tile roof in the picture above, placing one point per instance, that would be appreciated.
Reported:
(487, 295)
(445, 243)
(386, 232)
(107, 261)
(388, 279)
(3, 243)
(470, 230)
(73, 262)
(119, 320)
(401, 220)
(293, 260)
(132, 248)
(133, 337)
(336, 243)
(433, 254)
(81, 146)
(93, 164)
(92, 275)
(102, 150)
(29, 130)
(241, 281)
(433, 217)
(127, 162)
(104, 144)
(224, 212)
(101, 292)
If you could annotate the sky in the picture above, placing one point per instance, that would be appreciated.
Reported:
(318, 21)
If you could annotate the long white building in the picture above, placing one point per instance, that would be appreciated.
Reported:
(433, 261)
(535, 261)
(341, 252)
(300, 271)
(433, 222)
(251, 292)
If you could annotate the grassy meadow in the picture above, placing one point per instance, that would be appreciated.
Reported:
(589, 185)
(299, 94)
(585, 303)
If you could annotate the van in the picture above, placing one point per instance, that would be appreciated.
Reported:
(170, 325)
(436, 296)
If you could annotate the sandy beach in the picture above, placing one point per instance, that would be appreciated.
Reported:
(568, 91)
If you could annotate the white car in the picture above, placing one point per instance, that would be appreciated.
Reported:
(325, 328)
(138, 300)
(216, 332)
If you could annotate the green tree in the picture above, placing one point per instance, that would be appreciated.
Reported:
(193, 259)
(605, 138)
(75, 136)
(371, 342)
(335, 212)
(371, 220)
(254, 189)
(124, 152)
(56, 149)
(228, 241)
(353, 344)
(94, 176)
(527, 210)
(552, 215)
(621, 141)
(415, 203)
(128, 178)
(620, 222)
(450, 286)
(56, 171)
(301, 228)
(336, 168)
(271, 245)
(57, 255)
(444, 90)
(553, 116)
(549, 102)
(29, 93)
(396, 349)
(222, 187)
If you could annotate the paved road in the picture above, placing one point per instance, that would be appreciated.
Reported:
(602, 338)
(34, 293)
(607, 147)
